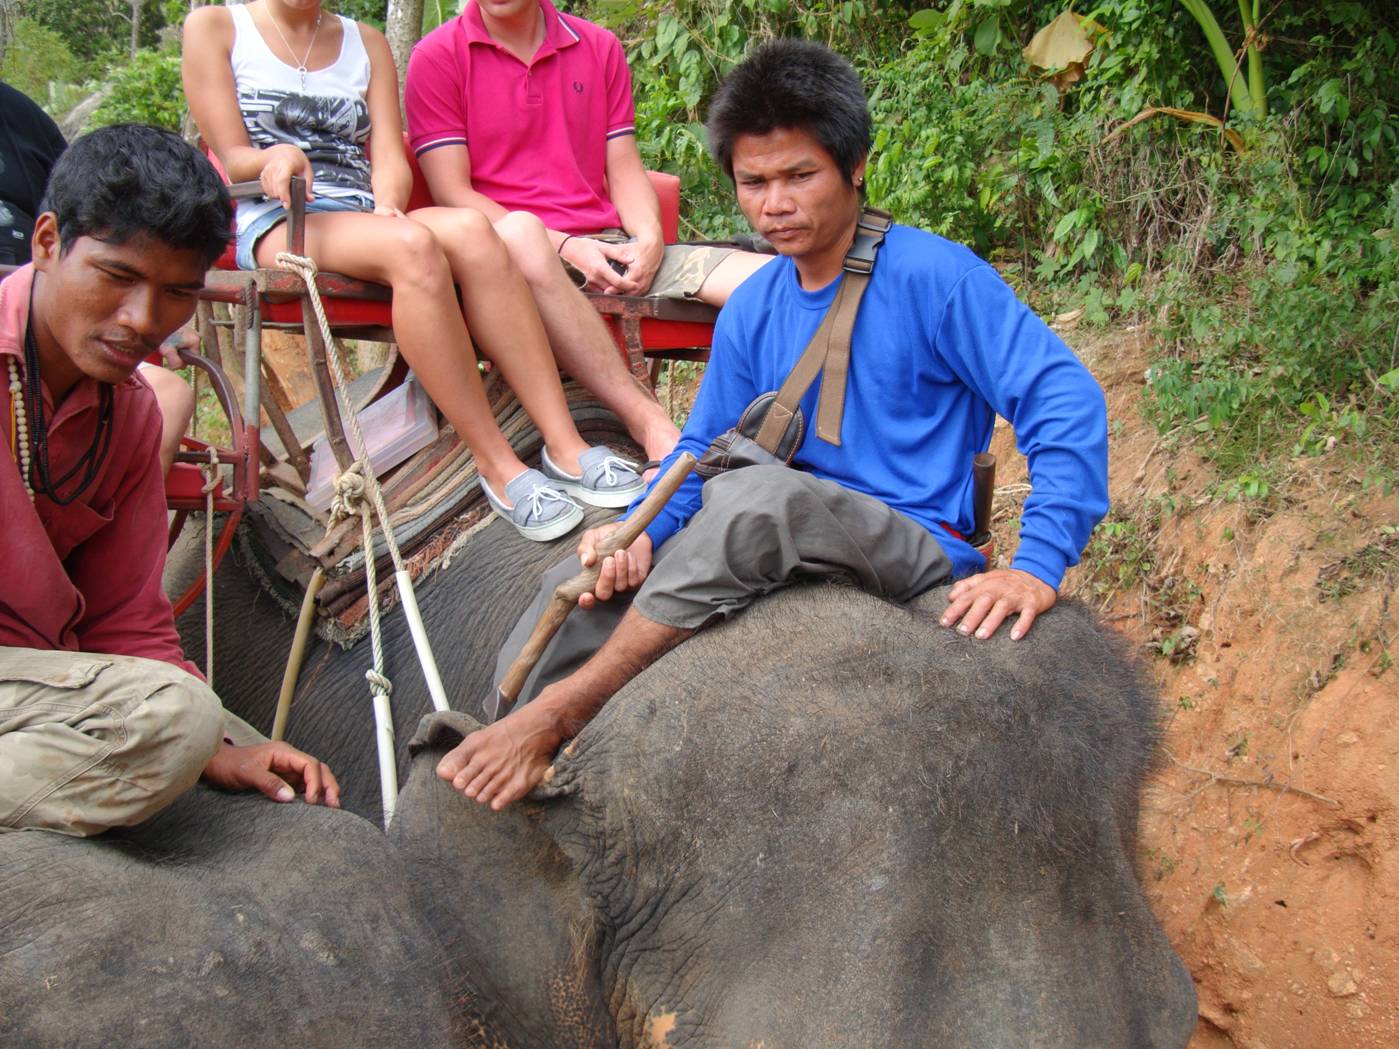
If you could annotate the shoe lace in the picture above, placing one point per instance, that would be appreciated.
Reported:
(611, 464)
(538, 497)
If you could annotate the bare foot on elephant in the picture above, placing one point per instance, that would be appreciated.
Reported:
(503, 762)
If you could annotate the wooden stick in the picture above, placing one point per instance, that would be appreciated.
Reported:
(566, 594)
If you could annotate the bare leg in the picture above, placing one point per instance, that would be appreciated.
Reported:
(176, 401)
(505, 324)
(729, 274)
(503, 762)
(426, 321)
(579, 338)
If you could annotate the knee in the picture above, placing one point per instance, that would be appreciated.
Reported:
(190, 728)
(414, 258)
(172, 394)
(474, 245)
(528, 242)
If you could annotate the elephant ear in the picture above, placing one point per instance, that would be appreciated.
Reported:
(505, 902)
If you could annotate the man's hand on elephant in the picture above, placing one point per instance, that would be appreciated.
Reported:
(982, 602)
(276, 769)
(503, 762)
(625, 570)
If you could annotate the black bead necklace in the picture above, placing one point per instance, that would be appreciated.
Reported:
(91, 460)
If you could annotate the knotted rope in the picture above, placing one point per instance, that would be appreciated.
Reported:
(357, 491)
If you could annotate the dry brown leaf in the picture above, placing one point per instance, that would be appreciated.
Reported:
(1060, 45)
(1235, 139)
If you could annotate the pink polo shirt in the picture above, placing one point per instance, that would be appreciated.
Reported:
(85, 577)
(537, 133)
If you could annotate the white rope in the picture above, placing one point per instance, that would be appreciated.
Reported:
(211, 481)
(356, 490)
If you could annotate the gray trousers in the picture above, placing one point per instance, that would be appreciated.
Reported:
(761, 528)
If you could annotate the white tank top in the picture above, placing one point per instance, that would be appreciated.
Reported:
(328, 121)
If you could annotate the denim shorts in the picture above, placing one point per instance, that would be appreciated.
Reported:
(260, 225)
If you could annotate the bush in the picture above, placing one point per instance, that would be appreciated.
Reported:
(147, 90)
(35, 57)
(1270, 257)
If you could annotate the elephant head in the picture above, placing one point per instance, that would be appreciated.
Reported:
(827, 823)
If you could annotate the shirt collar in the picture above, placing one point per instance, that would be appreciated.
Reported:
(14, 310)
(557, 33)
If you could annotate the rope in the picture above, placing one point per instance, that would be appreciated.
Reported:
(356, 492)
(211, 481)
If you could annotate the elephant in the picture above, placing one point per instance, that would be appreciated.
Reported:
(224, 920)
(825, 822)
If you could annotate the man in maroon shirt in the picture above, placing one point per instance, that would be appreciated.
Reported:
(102, 720)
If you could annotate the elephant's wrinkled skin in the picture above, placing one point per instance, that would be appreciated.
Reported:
(225, 921)
(827, 823)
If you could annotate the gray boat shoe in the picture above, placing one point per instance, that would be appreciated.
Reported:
(607, 479)
(538, 509)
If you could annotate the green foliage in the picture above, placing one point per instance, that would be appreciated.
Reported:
(37, 56)
(679, 53)
(147, 90)
(98, 30)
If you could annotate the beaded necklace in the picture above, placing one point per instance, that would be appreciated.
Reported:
(19, 427)
(30, 398)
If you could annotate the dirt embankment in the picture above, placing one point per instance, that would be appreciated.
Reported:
(1270, 840)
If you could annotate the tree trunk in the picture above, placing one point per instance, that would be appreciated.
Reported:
(403, 25)
(136, 6)
(8, 14)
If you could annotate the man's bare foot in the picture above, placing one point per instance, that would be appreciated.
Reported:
(503, 762)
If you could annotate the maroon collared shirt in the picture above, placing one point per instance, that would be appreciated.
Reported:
(85, 577)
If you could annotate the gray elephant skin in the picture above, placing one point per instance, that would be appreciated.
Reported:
(825, 823)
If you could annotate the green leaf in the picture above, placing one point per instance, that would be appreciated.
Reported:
(1065, 225)
(988, 34)
(926, 20)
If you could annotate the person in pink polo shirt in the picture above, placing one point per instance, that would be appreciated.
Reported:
(103, 721)
(513, 106)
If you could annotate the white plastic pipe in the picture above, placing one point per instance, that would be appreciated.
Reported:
(420, 641)
(388, 764)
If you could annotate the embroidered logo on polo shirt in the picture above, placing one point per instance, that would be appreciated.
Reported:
(578, 87)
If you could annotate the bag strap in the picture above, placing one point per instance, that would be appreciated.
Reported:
(829, 348)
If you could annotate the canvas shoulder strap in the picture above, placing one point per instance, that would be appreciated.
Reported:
(829, 348)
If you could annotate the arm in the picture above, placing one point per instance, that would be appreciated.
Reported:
(432, 100)
(640, 211)
(207, 72)
(1026, 373)
(390, 176)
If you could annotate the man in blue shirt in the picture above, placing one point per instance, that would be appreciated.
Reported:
(940, 347)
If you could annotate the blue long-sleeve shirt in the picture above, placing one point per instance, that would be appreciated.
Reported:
(941, 346)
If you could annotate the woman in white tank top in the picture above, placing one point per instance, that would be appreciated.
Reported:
(281, 88)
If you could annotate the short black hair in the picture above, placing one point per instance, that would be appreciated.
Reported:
(792, 84)
(128, 179)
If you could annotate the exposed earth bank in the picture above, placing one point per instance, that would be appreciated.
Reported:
(1268, 839)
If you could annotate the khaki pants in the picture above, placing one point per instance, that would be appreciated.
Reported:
(91, 741)
(683, 270)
